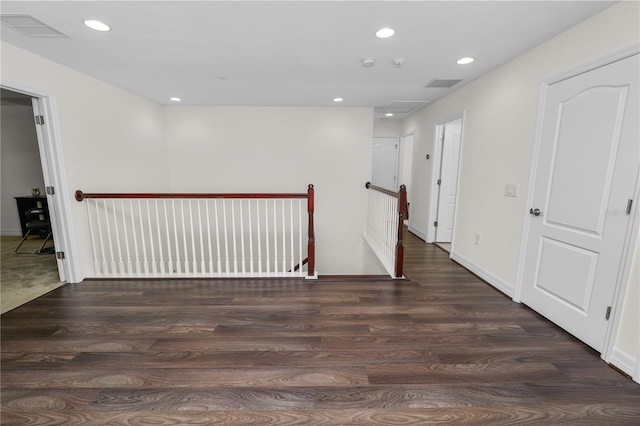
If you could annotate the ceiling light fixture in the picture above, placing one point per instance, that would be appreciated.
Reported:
(174, 99)
(464, 61)
(389, 114)
(338, 99)
(385, 32)
(97, 25)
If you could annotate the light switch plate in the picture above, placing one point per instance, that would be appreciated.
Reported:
(511, 190)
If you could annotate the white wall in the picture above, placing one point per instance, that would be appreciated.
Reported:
(280, 149)
(21, 169)
(111, 140)
(499, 123)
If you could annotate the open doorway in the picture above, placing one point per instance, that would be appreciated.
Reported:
(445, 182)
(29, 266)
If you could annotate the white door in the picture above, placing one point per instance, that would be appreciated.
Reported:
(385, 163)
(587, 166)
(448, 180)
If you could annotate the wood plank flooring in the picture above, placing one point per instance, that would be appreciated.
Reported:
(441, 348)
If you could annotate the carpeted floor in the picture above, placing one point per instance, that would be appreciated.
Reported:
(25, 277)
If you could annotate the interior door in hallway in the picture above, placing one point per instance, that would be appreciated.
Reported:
(448, 179)
(585, 176)
(384, 167)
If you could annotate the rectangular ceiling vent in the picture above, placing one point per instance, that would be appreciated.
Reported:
(30, 26)
(441, 83)
(403, 107)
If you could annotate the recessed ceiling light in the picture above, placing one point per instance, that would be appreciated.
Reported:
(338, 99)
(464, 61)
(97, 25)
(174, 99)
(389, 114)
(385, 32)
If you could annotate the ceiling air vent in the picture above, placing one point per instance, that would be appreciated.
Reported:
(441, 83)
(30, 26)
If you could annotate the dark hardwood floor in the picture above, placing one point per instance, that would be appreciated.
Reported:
(443, 347)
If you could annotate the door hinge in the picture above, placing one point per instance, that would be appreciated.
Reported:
(40, 119)
(60, 255)
(439, 182)
(435, 223)
(608, 314)
(49, 190)
(629, 204)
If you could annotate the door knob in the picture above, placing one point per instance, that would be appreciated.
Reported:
(535, 212)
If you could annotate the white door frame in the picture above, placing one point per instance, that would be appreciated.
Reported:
(402, 165)
(435, 175)
(634, 224)
(54, 173)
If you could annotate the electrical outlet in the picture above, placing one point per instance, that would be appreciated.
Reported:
(511, 190)
(476, 239)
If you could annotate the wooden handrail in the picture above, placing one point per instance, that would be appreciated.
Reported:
(82, 195)
(369, 185)
(309, 195)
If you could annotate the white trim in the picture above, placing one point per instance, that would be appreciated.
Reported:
(487, 276)
(54, 172)
(624, 362)
(622, 280)
(435, 173)
(592, 65)
(417, 232)
(16, 232)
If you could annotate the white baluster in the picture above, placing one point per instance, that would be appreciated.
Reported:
(96, 264)
(193, 241)
(206, 203)
(115, 222)
(113, 270)
(154, 264)
(159, 234)
(250, 239)
(284, 240)
(266, 221)
(178, 268)
(143, 242)
(226, 239)
(126, 238)
(170, 269)
(184, 240)
(203, 267)
(259, 239)
(243, 264)
(233, 233)
(275, 238)
(135, 239)
(215, 204)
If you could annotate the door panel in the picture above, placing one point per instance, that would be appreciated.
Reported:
(385, 162)
(589, 125)
(587, 166)
(448, 180)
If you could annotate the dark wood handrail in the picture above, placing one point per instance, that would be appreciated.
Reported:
(369, 185)
(309, 195)
(83, 195)
(403, 213)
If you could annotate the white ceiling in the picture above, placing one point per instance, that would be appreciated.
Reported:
(291, 53)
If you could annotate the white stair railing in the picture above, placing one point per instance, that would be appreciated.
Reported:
(384, 228)
(201, 235)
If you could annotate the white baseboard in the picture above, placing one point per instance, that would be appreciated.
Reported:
(487, 276)
(624, 362)
(11, 232)
(418, 233)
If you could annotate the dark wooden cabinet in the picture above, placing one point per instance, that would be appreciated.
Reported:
(27, 203)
